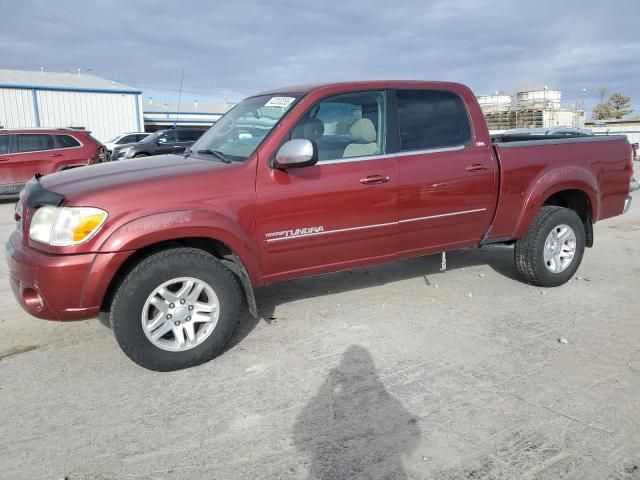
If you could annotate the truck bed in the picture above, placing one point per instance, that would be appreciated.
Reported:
(533, 169)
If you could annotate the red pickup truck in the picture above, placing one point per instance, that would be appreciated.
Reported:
(295, 182)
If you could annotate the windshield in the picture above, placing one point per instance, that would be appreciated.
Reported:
(239, 132)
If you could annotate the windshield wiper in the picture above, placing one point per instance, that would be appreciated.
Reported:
(216, 153)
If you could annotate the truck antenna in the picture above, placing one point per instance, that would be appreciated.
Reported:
(179, 96)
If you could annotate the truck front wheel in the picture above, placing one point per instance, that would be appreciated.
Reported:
(552, 249)
(176, 309)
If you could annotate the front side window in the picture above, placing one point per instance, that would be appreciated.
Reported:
(431, 119)
(239, 132)
(33, 142)
(345, 126)
(168, 137)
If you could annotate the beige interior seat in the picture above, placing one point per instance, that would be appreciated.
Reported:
(363, 135)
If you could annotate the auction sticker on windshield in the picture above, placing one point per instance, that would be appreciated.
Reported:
(282, 102)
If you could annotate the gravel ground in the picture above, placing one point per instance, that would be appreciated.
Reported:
(397, 371)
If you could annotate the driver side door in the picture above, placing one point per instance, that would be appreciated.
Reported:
(166, 143)
(340, 212)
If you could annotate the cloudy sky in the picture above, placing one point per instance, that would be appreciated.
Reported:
(234, 48)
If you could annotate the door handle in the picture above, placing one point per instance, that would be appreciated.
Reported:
(4, 159)
(477, 167)
(374, 179)
(55, 155)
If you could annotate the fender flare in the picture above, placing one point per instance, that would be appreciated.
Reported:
(552, 182)
(155, 228)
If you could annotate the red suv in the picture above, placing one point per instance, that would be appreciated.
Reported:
(27, 151)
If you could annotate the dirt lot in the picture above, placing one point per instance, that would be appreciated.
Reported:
(397, 371)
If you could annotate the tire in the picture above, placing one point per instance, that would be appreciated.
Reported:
(133, 302)
(530, 252)
(140, 155)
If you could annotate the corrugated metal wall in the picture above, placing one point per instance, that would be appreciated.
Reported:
(104, 114)
(632, 133)
(16, 108)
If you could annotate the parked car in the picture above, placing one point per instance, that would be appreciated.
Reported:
(297, 182)
(124, 139)
(24, 152)
(173, 140)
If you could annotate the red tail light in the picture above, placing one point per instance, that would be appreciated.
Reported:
(99, 157)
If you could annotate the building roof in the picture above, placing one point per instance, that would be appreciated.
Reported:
(187, 108)
(608, 121)
(71, 81)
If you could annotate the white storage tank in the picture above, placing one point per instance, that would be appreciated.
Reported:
(495, 103)
(544, 98)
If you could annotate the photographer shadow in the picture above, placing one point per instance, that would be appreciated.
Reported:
(353, 427)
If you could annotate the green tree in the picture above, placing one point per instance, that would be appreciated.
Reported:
(616, 106)
(620, 104)
(603, 110)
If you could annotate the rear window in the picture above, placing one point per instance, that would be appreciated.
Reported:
(26, 142)
(4, 144)
(431, 119)
(66, 141)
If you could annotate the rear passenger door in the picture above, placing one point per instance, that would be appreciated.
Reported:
(447, 184)
(32, 152)
(6, 170)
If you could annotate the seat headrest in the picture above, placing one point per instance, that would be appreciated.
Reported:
(313, 128)
(363, 131)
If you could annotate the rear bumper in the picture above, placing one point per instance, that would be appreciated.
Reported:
(627, 204)
(59, 287)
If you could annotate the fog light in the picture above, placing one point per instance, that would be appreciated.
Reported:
(32, 299)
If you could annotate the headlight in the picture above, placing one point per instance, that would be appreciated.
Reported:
(65, 226)
(120, 153)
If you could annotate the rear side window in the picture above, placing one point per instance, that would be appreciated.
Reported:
(431, 119)
(66, 141)
(33, 142)
(4, 144)
(189, 135)
(127, 139)
(141, 137)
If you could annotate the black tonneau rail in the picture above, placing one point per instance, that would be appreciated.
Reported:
(527, 140)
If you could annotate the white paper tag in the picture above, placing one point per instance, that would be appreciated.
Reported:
(282, 102)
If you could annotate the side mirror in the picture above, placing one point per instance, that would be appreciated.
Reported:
(295, 154)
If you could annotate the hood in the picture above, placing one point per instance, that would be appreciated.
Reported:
(113, 176)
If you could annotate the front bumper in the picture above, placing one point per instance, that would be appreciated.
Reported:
(59, 287)
(627, 204)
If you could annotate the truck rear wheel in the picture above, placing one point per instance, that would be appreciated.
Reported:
(176, 309)
(552, 249)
